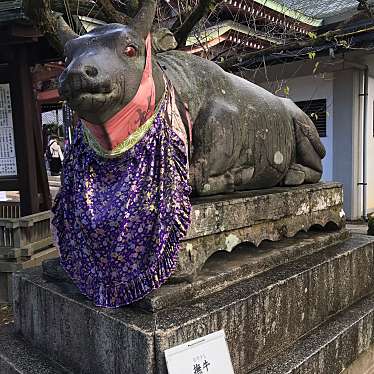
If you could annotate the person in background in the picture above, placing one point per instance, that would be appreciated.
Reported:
(54, 156)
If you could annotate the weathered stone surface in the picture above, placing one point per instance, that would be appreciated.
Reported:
(18, 357)
(261, 316)
(60, 321)
(8, 267)
(332, 347)
(5, 287)
(224, 269)
(271, 311)
(214, 214)
(220, 223)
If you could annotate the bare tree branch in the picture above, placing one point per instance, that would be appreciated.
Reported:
(94, 9)
(364, 5)
(195, 16)
(231, 63)
(128, 7)
(111, 12)
(143, 20)
(54, 28)
(179, 21)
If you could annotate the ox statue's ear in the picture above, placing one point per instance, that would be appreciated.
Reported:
(163, 40)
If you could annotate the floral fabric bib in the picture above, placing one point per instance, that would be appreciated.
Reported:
(118, 221)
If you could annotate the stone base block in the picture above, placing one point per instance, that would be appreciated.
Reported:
(262, 316)
(9, 267)
(220, 223)
(345, 341)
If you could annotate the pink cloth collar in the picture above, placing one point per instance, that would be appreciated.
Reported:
(134, 114)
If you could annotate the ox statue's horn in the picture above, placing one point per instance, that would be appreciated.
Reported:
(143, 20)
(64, 31)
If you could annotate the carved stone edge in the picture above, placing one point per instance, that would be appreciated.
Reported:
(216, 216)
(195, 252)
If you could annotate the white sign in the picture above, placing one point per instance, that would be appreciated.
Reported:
(8, 161)
(207, 355)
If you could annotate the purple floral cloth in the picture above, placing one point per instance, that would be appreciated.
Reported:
(118, 222)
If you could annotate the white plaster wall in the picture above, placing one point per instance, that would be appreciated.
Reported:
(370, 148)
(50, 117)
(312, 88)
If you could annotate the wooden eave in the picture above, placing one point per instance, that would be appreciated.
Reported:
(229, 32)
(252, 10)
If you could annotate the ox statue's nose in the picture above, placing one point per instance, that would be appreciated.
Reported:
(90, 71)
(80, 78)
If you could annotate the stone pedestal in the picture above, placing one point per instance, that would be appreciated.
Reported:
(220, 223)
(301, 305)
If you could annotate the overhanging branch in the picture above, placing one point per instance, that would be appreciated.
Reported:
(111, 12)
(194, 17)
(364, 5)
(53, 27)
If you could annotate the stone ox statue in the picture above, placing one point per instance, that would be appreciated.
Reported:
(152, 124)
(243, 137)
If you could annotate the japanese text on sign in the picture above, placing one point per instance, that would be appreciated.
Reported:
(8, 162)
(207, 355)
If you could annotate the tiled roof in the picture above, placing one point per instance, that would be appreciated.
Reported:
(11, 10)
(322, 8)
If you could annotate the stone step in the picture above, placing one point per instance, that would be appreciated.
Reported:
(332, 347)
(17, 357)
(266, 314)
(261, 316)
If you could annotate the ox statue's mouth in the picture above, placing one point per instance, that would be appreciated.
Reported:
(74, 85)
(92, 96)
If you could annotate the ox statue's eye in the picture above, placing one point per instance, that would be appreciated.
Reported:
(130, 51)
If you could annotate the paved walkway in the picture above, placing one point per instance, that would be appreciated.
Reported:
(357, 228)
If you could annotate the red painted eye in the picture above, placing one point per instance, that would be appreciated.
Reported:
(130, 51)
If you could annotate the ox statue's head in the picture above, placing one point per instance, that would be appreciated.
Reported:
(104, 67)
